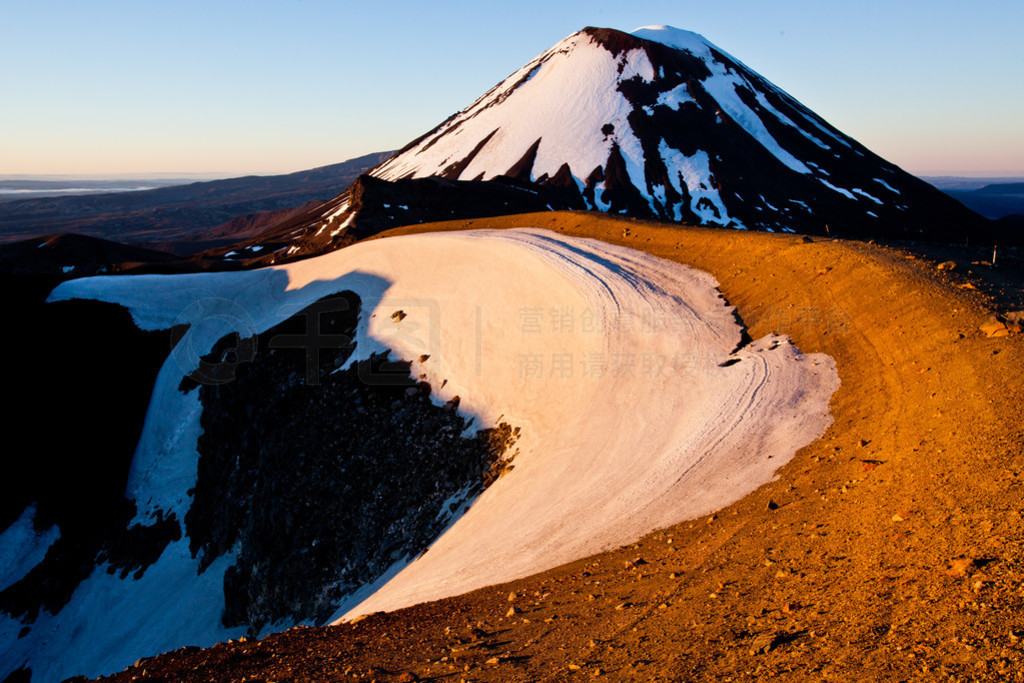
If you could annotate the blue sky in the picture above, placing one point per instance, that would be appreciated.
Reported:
(260, 87)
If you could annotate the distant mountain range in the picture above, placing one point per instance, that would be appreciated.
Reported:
(181, 217)
(994, 200)
(30, 188)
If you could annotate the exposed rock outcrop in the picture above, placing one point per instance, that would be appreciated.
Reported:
(321, 478)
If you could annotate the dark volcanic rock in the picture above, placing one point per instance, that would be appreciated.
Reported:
(322, 479)
(83, 374)
(1012, 227)
(372, 205)
(68, 255)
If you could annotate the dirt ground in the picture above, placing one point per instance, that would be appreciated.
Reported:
(890, 549)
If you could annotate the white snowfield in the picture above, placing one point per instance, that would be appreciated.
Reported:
(618, 367)
(571, 92)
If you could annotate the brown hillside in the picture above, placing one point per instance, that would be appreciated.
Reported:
(889, 549)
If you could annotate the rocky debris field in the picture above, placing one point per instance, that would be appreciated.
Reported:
(320, 476)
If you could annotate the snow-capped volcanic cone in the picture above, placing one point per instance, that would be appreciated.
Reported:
(661, 123)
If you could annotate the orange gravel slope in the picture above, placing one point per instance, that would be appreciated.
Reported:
(891, 548)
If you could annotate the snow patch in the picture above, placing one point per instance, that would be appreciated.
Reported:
(694, 172)
(887, 186)
(341, 228)
(111, 622)
(722, 85)
(675, 97)
(864, 194)
(22, 548)
(845, 193)
(342, 208)
(636, 63)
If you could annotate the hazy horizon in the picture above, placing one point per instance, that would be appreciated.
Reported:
(122, 89)
(167, 176)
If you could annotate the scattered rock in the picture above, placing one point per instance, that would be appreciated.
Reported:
(512, 611)
(765, 643)
(946, 265)
(424, 357)
(960, 566)
(398, 316)
(512, 596)
(408, 677)
(994, 328)
(772, 505)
